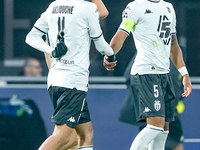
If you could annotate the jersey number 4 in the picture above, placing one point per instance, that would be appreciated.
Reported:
(164, 29)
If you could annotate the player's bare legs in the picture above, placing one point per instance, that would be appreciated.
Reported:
(179, 147)
(85, 133)
(156, 121)
(60, 137)
(73, 142)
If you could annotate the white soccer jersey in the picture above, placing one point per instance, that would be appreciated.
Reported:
(152, 24)
(79, 21)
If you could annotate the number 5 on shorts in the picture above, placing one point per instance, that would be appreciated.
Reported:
(156, 93)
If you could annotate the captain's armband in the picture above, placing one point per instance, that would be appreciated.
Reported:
(126, 25)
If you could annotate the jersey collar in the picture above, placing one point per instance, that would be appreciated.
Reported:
(153, 1)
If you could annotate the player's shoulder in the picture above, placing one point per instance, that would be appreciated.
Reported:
(82, 5)
(89, 7)
(168, 4)
(87, 4)
(52, 4)
(135, 5)
(80, 2)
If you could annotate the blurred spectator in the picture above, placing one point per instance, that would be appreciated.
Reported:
(32, 67)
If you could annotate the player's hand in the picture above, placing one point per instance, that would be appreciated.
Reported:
(187, 86)
(60, 50)
(109, 65)
(111, 58)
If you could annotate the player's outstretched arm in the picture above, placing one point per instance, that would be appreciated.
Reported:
(103, 12)
(177, 58)
(118, 40)
(116, 44)
(102, 46)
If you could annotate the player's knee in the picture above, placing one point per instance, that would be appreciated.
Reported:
(58, 140)
(87, 136)
(61, 140)
(73, 141)
(65, 140)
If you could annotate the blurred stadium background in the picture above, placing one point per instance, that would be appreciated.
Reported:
(107, 89)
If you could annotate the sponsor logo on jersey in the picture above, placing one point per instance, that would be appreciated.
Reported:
(64, 61)
(71, 119)
(148, 11)
(62, 10)
(157, 105)
(146, 109)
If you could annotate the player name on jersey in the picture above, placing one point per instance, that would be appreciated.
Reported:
(63, 9)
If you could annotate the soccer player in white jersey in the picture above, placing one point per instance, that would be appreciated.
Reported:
(74, 138)
(70, 24)
(153, 25)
